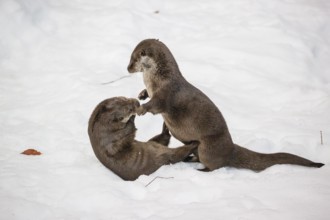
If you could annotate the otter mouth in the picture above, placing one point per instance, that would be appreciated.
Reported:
(130, 111)
(131, 71)
(129, 118)
(135, 71)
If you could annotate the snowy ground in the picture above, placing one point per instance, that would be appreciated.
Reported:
(264, 63)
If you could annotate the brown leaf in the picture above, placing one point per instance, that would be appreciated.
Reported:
(31, 152)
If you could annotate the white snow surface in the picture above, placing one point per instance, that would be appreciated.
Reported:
(265, 64)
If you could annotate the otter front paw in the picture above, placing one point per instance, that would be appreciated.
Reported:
(143, 95)
(141, 110)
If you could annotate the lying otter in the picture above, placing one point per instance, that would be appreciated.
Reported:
(111, 130)
(191, 116)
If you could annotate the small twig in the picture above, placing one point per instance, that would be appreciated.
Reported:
(321, 137)
(158, 177)
(116, 80)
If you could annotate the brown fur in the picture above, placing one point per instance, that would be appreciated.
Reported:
(191, 116)
(112, 130)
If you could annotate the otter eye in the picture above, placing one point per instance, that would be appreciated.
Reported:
(143, 53)
(118, 119)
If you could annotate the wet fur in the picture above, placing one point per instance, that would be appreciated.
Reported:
(191, 116)
(112, 130)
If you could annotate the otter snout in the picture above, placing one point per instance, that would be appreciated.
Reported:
(131, 68)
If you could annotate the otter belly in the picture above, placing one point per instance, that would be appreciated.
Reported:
(182, 130)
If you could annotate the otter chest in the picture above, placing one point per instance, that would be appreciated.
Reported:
(148, 82)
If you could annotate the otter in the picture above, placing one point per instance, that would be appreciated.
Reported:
(111, 130)
(191, 116)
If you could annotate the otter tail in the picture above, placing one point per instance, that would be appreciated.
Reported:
(244, 158)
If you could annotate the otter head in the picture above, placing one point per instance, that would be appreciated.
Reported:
(143, 58)
(115, 113)
(155, 60)
(153, 56)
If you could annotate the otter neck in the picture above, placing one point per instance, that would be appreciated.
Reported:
(158, 77)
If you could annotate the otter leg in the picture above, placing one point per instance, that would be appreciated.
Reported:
(193, 158)
(155, 106)
(214, 152)
(143, 95)
(164, 137)
(180, 153)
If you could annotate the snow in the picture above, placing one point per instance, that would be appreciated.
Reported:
(264, 63)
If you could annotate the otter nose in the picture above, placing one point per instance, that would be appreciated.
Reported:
(130, 67)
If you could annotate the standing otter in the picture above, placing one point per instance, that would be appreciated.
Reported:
(191, 116)
(111, 130)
